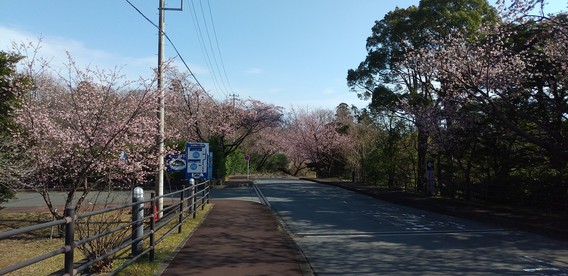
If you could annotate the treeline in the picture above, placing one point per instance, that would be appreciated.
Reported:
(480, 94)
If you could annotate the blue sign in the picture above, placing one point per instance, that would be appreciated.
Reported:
(123, 156)
(176, 162)
(197, 160)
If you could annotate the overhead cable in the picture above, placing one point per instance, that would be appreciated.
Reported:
(204, 48)
(173, 46)
(210, 42)
(218, 48)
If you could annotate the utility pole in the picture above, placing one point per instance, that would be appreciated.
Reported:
(234, 98)
(161, 123)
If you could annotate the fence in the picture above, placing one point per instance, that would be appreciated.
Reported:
(191, 198)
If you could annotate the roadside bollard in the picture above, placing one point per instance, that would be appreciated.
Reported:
(137, 217)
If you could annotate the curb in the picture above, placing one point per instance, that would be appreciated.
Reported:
(301, 258)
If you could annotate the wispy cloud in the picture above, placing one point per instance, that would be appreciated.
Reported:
(54, 50)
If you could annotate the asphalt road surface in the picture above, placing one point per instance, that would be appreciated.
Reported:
(34, 199)
(345, 233)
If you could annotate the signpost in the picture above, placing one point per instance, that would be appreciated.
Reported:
(210, 167)
(247, 158)
(197, 155)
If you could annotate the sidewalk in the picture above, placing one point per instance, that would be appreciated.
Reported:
(238, 238)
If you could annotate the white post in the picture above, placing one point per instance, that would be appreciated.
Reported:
(138, 216)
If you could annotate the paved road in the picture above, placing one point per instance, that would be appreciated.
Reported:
(345, 233)
(34, 199)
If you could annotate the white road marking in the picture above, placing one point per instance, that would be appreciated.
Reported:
(395, 233)
(544, 268)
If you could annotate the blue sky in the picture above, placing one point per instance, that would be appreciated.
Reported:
(284, 52)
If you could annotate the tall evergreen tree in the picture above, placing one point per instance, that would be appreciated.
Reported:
(12, 88)
(383, 77)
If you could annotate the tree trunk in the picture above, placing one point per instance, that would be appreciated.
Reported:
(439, 176)
(422, 151)
(468, 168)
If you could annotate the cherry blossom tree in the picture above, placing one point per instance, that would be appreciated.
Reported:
(86, 129)
(251, 116)
(314, 142)
(264, 145)
(512, 76)
(510, 71)
(388, 77)
(195, 115)
(520, 10)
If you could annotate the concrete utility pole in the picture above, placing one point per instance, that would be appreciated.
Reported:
(160, 138)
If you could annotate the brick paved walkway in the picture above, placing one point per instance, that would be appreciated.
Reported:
(238, 238)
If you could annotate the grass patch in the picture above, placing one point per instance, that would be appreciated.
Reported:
(30, 245)
(16, 250)
(164, 250)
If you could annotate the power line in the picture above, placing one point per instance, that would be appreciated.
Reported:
(204, 48)
(211, 43)
(219, 76)
(143, 15)
(218, 48)
(185, 64)
(173, 46)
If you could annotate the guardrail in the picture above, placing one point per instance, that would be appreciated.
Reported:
(190, 199)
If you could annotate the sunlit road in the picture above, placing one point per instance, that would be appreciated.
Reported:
(345, 233)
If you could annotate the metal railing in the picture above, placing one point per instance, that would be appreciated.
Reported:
(190, 199)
